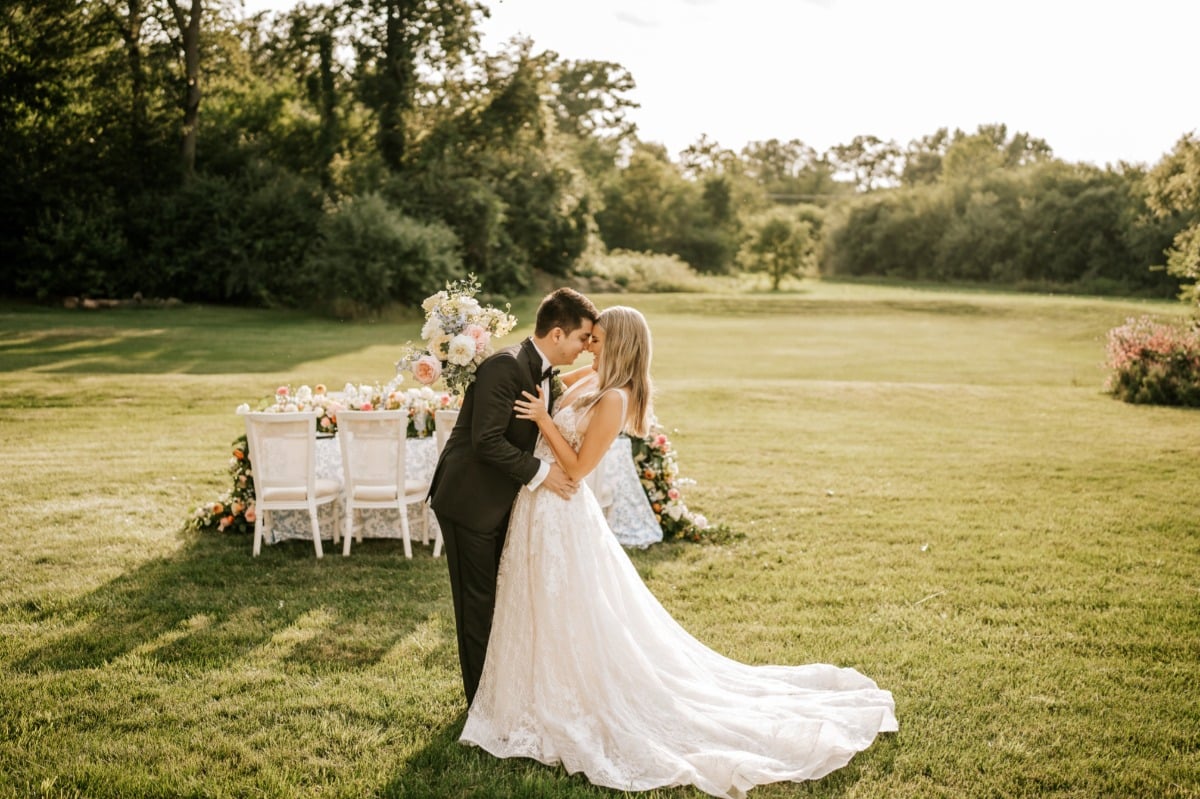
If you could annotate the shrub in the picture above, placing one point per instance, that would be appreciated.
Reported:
(371, 255)
(644, 271)
(74, 248)
(1155, 362)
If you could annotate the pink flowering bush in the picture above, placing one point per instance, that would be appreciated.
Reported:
(1155, 363)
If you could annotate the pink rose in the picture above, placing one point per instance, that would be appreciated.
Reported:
(426, 369)
(250, 514)
(480, 334)
(673, 493)
(282, 391)
(366, 406)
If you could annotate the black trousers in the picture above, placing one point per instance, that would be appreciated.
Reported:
(473, 557)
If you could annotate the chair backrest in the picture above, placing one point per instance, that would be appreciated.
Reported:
(282, 449)
(373, 444)
(443, 424)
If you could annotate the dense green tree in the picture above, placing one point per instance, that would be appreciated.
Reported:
(791, 171)
(1173, 192)
(869, 161)
(401, 47)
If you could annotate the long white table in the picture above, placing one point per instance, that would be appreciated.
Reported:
(420, 458)
(615, 483)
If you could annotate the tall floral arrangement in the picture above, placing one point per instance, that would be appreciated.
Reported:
(234, 512)
(458, 335)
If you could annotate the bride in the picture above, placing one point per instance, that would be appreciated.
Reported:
(586, 668)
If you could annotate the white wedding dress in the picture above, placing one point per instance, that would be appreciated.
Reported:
(586, 668)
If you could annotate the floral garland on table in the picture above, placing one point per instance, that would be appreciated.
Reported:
(458, 335)
(658, 469)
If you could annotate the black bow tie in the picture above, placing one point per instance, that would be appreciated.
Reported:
(550, 373)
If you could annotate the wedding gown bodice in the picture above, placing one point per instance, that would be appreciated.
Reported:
(586, 668)
(566, 419)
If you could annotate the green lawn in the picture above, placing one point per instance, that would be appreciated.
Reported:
(929, 486)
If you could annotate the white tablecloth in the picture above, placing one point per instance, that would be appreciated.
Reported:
(615, 482)
(420, 458)
(618, 487)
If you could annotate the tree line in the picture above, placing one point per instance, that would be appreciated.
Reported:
(350, 156)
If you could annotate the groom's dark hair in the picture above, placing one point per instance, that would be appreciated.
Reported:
(565, 308)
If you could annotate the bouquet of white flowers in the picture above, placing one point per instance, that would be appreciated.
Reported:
(458, 335)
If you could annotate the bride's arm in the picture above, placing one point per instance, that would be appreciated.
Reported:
(603, 427)
(573, 376)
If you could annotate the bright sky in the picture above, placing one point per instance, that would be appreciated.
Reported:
(1099, 80)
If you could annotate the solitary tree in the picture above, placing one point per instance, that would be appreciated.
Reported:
(780, 244)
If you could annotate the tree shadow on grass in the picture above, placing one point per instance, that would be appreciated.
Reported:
(192, 340)
(211, 604)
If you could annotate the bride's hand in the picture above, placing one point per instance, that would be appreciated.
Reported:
(532, 408)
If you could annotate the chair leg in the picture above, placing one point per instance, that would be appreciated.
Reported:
(437, 538)
(404, 530)
(348, 533)
(312, 513)
(258, 532)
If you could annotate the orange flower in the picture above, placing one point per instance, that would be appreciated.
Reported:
(237, 453)
(216, 508)
(649, 475)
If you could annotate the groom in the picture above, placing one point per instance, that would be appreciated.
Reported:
(489, 457)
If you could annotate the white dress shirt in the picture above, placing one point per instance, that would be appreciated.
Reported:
(544, 469)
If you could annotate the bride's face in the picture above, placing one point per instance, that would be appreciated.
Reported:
(596, 346)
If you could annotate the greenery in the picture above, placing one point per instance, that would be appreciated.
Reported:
(933, 487)
(350, 157)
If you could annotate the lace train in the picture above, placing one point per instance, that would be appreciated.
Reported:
(587, 669)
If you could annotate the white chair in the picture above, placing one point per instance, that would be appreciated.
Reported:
(373, 450)
(283, 456)
(443, 423)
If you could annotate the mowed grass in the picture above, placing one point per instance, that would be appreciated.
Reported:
(929, 486)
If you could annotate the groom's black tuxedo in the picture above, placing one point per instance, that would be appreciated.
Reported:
(486, 461)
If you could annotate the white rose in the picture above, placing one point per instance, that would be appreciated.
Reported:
(243, 408)
(303, 394)
(433, 327)
(461, 350)
(433, 301)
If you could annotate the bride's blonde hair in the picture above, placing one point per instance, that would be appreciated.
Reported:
(626, 364)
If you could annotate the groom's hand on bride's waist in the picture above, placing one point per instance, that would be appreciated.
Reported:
(559, 482)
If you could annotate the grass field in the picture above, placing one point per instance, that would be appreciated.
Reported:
(929, 486)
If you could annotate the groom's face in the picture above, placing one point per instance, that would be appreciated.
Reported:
(568, 345)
